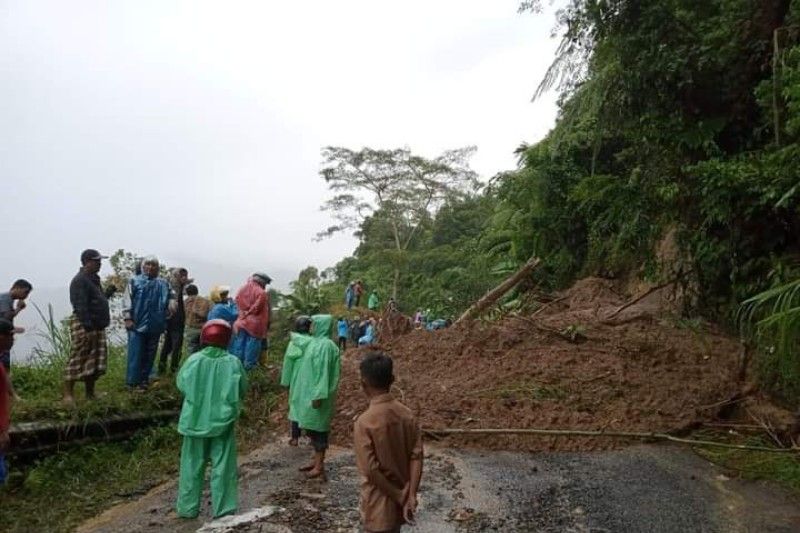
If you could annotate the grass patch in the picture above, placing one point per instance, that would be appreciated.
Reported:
(783, 468)
(40, 383)
(40, 387)
(62, 490)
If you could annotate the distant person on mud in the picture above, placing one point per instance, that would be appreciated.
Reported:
(439, 323)
(349, 295)
(6, 342)
(369, 335)
(358, 290)
(391, 305)
(172, 350)
(91, 316)
(374, 302)
(388, 447)
(299, 340)
(197, 309)
(214, 384)
(145, 319)
(342, 328)
(250, 329)
(20, 290)
(418, 319)
(313, 391)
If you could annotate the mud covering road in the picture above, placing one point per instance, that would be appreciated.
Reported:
(644, 488)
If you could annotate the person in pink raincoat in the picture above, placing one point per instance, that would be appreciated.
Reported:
(251, 327)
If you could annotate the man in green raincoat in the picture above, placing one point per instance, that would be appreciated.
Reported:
(374, 302)
(312, 391)
(213, 383)
(299, 339)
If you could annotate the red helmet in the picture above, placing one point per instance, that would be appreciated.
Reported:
(216, 332)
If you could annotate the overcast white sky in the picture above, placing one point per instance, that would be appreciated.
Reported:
(192, 129)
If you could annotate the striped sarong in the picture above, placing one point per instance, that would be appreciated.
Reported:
(89, 353)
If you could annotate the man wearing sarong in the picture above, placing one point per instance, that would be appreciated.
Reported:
(88, 323)
(250, 328)
(312, 392)
(145, 320)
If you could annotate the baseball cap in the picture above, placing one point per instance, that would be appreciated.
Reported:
(90, 255)
(263, 276)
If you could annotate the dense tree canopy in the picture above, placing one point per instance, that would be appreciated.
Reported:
(677, 118)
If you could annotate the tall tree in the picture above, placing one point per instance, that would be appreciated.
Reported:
(403, 188)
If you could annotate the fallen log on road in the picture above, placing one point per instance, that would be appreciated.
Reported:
(609, 434)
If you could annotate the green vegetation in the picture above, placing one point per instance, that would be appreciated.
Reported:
(674, 158)
(64, 489)
(780, 467)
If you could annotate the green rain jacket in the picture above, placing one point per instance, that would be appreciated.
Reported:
(316, 377)
(298, 344)
(213, 383)
(373, 302)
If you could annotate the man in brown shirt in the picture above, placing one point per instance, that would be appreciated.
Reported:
(196, 308)
(388, 447)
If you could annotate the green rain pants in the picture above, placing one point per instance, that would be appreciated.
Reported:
(195, 454)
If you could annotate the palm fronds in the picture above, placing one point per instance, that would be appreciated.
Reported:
(772, 319)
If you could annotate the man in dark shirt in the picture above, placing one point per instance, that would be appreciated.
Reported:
(176, 324)
(88, 355)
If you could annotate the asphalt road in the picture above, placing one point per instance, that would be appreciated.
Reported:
(649, 489)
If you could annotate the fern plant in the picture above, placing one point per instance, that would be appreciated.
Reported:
(772, 318)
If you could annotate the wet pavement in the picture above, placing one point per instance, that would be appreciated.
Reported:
(639, 489)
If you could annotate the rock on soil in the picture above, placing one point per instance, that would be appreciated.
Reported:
(568, 366)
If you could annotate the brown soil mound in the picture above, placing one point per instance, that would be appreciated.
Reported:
(569, 366)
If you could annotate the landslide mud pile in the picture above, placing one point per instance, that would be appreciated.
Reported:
(579, 363)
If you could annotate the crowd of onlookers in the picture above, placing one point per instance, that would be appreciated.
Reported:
(225, 337)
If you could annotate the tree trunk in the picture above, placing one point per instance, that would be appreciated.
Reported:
(495, 294)
(396, 283)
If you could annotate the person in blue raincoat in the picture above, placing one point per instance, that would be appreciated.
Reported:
(369, 336)
(223, 307)
(145, 319)
(350, 295)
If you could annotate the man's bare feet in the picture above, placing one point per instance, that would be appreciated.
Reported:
(315, 473)
(292, 442)
(306, 468)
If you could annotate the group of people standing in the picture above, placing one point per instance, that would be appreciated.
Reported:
(225, 338)
(361, 332)
(354, 292)
(387, 439)
(156, 306)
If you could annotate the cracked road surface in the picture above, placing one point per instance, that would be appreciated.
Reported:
(639, 489)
